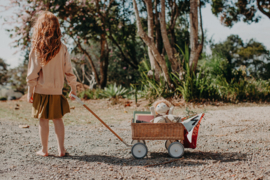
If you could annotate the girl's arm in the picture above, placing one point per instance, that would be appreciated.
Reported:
(71, 78)
(32, 72)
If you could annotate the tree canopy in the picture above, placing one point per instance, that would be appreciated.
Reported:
(251, 54)
(3, 72)
(231, 11)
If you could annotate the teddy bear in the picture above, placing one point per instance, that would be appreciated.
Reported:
(163, 112)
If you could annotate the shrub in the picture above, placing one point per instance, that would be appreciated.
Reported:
(195, 85)
(87, 94)
(91, 94)
(98, 93)
(3, 98)
(114, 91)
(233, 84)
(149, 88)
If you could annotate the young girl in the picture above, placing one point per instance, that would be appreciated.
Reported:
(49, 63)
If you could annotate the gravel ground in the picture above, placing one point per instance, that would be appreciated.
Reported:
(233, 144)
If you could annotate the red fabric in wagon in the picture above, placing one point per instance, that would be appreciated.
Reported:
(195, 133)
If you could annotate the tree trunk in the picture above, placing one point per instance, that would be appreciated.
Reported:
(150, 28)
(89, 58)
(104, 59)
(174, 15)
(150, 23)
(158, 70)
(165, 38)
(158, 32)
(149, 43)
(194, 45)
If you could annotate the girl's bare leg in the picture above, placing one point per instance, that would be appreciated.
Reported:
(44, 136)
(60, 134)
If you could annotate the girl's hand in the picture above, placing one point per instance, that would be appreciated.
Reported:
(72, 98)
(30, 98)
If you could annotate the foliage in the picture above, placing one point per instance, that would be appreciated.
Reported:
(228, 48)
(214, 80)
(195, 85)
(252, 54)
(114, 91)
(231, 12)
(17, 78)
(3, 72)
(91, 94)
(149, 87)
(3, 98)
(87, 94)
(239, 87)
(216, 66)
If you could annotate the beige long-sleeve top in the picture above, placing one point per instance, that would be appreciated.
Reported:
(49, 79)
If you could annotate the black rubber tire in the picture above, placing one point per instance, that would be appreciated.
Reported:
(134, 147)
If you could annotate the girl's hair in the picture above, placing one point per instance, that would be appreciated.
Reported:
(46, 40)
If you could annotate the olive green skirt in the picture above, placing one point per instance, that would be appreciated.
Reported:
(49, 106)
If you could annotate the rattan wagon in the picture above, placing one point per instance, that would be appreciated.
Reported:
(175, 134)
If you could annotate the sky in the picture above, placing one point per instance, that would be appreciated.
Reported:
(259, 31)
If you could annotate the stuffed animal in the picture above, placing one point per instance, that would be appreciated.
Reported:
(162, 111)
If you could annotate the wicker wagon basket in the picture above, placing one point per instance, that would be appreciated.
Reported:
(157, 131)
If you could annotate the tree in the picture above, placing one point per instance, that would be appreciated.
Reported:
(17, 78)
(264, 7)
(93, 21)
(195, 46)
(228, 48)
(255, 56)
(176, 9)
(149, 40)
(252, 55)
(230, 11)
(3, 72)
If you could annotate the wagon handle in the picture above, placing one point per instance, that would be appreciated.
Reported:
(79, 100)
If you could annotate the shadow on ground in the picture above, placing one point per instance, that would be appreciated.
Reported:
(190, 159)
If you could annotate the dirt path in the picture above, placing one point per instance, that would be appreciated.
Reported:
(233, 144)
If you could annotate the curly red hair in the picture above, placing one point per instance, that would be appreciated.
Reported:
(46, 38)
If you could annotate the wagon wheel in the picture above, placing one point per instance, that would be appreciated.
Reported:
(176, 150)
(136, 141)
(168, 143)
(139, 150)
